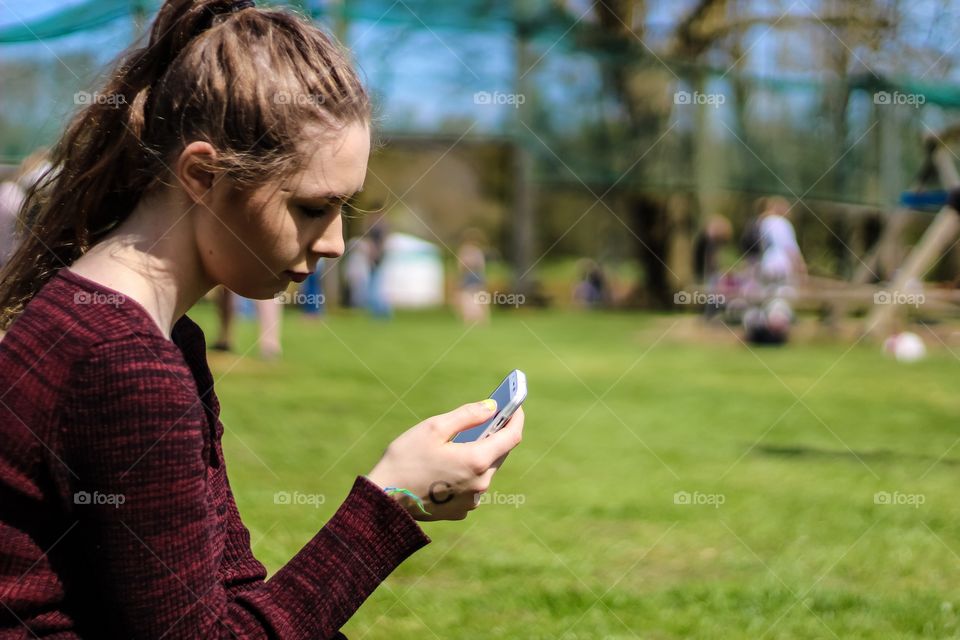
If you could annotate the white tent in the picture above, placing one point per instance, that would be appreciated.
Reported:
(412, 272)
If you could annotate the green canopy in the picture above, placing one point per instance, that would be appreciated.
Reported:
(491, 16)
(944, 95)
(473, 15)
(77, 18)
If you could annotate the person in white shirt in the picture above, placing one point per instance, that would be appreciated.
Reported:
(781, 266)
(781, 261)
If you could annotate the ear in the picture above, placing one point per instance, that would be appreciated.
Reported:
(192, 169)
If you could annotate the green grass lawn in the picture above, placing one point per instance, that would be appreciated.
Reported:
(780, 450)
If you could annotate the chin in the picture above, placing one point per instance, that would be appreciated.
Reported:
(258, 291)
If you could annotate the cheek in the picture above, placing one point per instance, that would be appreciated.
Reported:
(246, 242)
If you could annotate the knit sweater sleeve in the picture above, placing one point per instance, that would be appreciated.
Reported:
(151, 533)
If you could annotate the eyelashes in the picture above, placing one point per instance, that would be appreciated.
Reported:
(319, 212)
(337, 206)
(312, 212)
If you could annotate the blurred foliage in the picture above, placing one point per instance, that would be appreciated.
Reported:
(622, 168)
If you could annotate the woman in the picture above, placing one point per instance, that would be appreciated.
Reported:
(230, 144)
(474, 302)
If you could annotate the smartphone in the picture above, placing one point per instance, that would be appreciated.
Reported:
(509, 396)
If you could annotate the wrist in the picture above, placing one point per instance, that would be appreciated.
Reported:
(377, 477)
(374, 480)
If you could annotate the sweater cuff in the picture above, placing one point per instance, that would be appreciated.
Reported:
(364, 541)
(391, 532)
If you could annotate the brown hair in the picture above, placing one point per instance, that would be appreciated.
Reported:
(247, 81)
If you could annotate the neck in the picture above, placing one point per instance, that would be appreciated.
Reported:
(152, 258)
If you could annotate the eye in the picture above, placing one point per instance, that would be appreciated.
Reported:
(318, 212)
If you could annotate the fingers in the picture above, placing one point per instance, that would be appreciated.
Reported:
(499, 461)
(469, 415)
(496, 447)
(487, 478)
(483, 458)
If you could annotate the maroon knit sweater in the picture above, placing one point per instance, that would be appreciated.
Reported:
(116, 515)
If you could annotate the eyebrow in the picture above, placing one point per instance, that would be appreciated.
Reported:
(329, 195)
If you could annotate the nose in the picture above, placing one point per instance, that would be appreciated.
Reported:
(329, 244)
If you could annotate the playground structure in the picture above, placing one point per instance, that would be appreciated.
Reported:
(889, 277)
(941, 233)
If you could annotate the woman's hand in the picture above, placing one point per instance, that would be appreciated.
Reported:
(449, 477)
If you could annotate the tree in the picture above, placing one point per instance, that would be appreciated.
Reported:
(838, 35)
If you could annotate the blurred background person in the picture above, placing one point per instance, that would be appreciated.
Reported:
(357, 271)
(781, 267)
(781, 262)
(713, 237)
(592, 290)
(12, 194)
(377, 302)
(311, 300)
(473, 302)
(225, 312)
(750, 244)
(270, 321)
(269, 317)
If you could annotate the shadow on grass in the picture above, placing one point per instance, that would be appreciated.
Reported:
(879, 455)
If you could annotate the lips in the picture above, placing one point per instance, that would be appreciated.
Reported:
(297, 277)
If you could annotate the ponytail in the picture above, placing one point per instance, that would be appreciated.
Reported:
(215, 70)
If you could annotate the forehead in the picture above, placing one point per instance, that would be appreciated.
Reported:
(331, 162)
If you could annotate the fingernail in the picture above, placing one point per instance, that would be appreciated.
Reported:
(489, 404)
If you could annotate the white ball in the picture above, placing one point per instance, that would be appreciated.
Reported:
(906, 347)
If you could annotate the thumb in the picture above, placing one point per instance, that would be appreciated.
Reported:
(464, 417)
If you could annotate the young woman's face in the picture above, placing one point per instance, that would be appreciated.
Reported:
(255, 244)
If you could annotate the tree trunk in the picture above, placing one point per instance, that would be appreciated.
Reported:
(648, 219)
